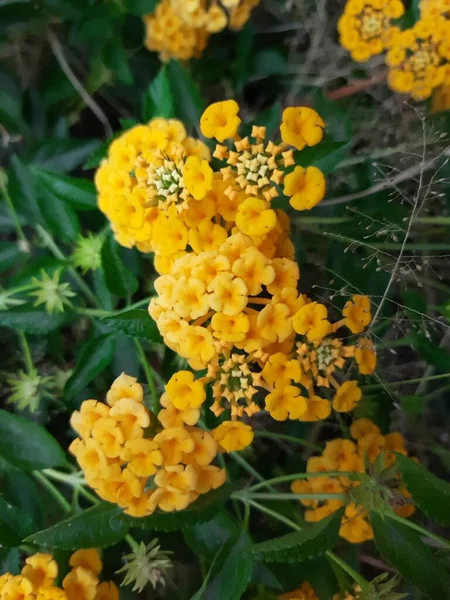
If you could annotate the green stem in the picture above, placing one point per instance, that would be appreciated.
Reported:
(132, 542)
(77, 483)
(51, 245)
(65, 506)
(419, 529)
(292, 477)
(287, 496)
(246, 466)
(149, 374)
(12, 210)
(331, 555)
(378, 386)
(26, 352)
(287, 438)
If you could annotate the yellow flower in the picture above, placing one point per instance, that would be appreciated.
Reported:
(279, 370)
(318, 409)
(230, 328)
(205, 448)
(88, 558)
(254, 269)
(254, 217)
(287, 274)
(355, 527)
(80, 583)
(51, 593)
(286, 402)
(125, 386)
(17, 587)
(220, 120)
(184, 392)
(340, 455)
(132, 416)
(347, 396)
(142, 456)
(173, 443)
(107, 590)
(196, 344)
(178, 478)
(109, 435)
(311, 320)
(301, 127)
(198, 177)
(90, 457)
(274, 323)
(41, 569)
(84, 420)
(305, 187)
(233, 436)
(228, 294)
(357, 313)
(169, 416)
(209, 477)
(304, 592)
(361, 428)
(366, 356)
(207, 236)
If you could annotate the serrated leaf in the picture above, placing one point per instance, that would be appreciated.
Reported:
(230, 572)
(312, 541)
(199, 511)
(29, 320)
(75, 192)
(188, 100)
(118, 279)
(99, 527)
(95, 357)
(430, 494)
(404, 550)
(158, 99)
(134, 323)
(26, 445)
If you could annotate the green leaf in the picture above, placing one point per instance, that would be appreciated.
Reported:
(405, 551)
(60, 218)
(9, 253)
(29, 320)
(312, 541)
(78, 193)
(118, 279)
(99, 527)
(412, 405)
(9, 524)
(230, 572)
(10, 561)
(22, 190)
(207, 538)
(61, 154)
(95, 357)
(116, 59)
(325, 155)
(11, 114)
(188, 100)
(200, 511)
(140, 7)
(268, 62)
(158, 100)
(430, 494)
(27, 445)
(134, 323)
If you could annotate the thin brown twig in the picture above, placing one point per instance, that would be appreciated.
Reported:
(86, 97)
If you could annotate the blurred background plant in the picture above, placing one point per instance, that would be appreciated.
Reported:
(73, 304)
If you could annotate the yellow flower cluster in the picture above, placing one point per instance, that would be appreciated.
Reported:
(137, 464)
(37, 580)
(365, 27)
(181, 28)
(348, 456)
(304, 592)
(441, 98)
(418, 58)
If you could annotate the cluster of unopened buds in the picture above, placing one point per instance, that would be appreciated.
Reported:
(181, 28)
(37, 580)
(417, 57)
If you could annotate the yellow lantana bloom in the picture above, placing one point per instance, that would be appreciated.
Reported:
(233, 436)
(301, 126)
(220, 120)
(305, 187)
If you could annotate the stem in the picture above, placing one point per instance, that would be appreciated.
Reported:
(132, 542)
(331, 555)
(77, 483)
(377, 386)
(149, 374)
(26, 352)
(420, 529)
(287, 438)
(292, 477)
(51, 245)
(65, 506)
(247, 467)
(282, 496)
(12, 210)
